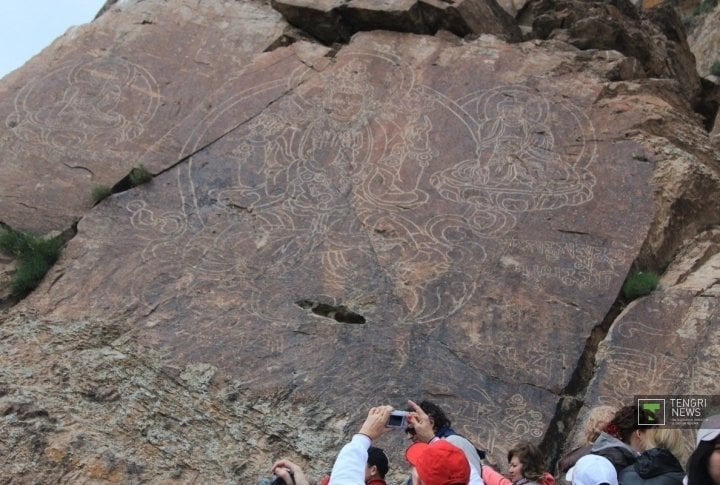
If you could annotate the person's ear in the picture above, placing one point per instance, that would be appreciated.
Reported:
(373, 470)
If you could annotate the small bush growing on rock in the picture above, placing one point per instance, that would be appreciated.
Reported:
(100, 193)
(139, 175)
(693, 18)
(12, 242)
(706, 6)
(690, 21)
(715, 68)
(639, 283)
(34, 255)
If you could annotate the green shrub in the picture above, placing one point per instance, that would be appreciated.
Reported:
(140, 175)
(34, 255)
(12, 242)
(706, 6)
(690, 22)
(100, 193)
(715, 68)
(639, 283)
(692, 19)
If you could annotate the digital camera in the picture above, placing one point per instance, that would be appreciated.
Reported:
(271, 481)
(397, 419)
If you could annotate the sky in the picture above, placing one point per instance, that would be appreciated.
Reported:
(28, 26)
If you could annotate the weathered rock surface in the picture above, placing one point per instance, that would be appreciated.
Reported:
(704, 40)
(686, 174)
(336, 21)
(86, 109)
(87, 405)
(341, 223)
(655, 39)
(513, 7)
(668, 342)
(331, 227)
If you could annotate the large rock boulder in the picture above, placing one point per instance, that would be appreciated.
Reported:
(89, 405)
(677, 326)
(331, 227)
(378, 216)
(87, 108)
(704, 40)
(336, 21)
(655, 38)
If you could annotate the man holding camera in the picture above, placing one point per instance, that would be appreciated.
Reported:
(441, 428)
(434, 461)
(349, 467)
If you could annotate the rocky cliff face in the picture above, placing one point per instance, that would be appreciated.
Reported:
(352, 203)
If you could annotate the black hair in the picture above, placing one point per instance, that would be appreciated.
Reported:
(627, 420)
(434, 411)
(697, 465)
(378, 458)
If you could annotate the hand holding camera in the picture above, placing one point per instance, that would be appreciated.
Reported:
(287, 473)
(375, 423)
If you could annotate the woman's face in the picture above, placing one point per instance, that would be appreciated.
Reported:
(516, 469)
(714, 463)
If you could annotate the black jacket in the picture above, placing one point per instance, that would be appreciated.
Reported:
(654, 467)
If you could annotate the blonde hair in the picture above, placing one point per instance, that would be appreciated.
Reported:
(661, 437)
(597, 419)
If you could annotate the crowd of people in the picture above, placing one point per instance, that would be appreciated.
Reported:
(616, 450)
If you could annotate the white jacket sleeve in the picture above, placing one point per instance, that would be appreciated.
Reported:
(349, 467)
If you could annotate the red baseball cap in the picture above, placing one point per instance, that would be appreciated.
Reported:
(439, 463)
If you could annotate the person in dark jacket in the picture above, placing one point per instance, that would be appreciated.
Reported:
(597, 418)
(623, 439)
(658, 465)
(704, 463)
